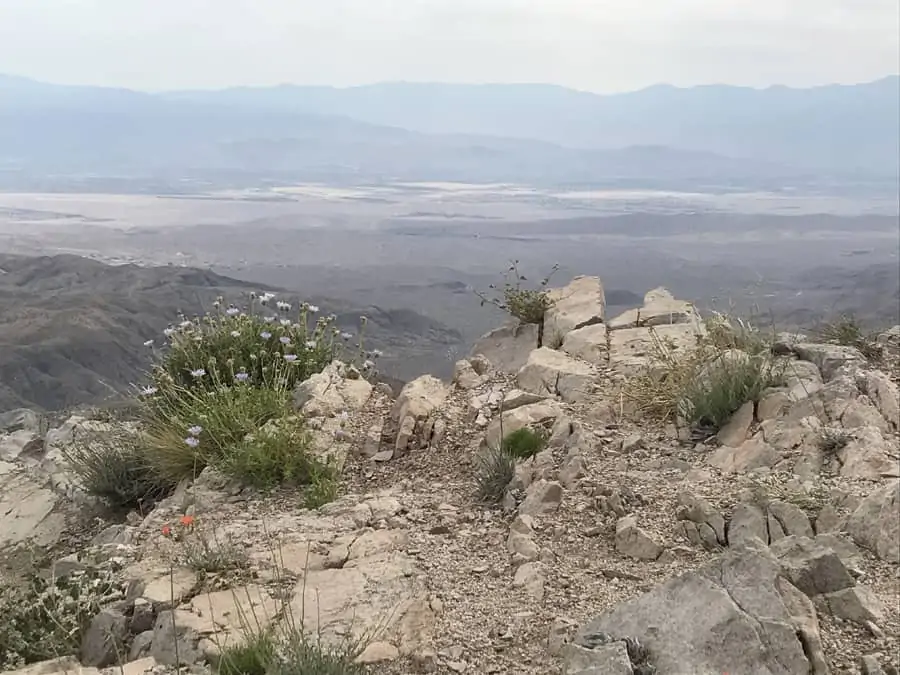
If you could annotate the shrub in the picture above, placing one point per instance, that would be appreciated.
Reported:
(111, 465)
(253, 348)
(494, 470)
(528, 305)
(523, 443)
(704, 385)
(45, 617)
(831, 441)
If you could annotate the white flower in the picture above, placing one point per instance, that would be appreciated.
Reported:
(269, 319)
(191, 441)
(265, 335)
(285, 340)
(290, 358)
(313, 308)
(347, 336)
(285, 322)
(169, 332)
(185, 324)
(200, 372)
(375, 353)
(310, 344)
(231, 311)
(284, 306)
(242, 377)
(148, 343)
(195, 430)
(235, 333)
(149, 391)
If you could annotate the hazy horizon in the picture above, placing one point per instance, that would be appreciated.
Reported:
(608, 47)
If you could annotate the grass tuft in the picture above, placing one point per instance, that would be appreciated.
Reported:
(494, 470)
(528, 305)
(848, 332)
(703, 386)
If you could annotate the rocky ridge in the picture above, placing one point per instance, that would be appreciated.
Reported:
(621, 547)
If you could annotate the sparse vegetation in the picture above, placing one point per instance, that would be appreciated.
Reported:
(45, 616)
(847, 331)
(494, 470)
(523, 443)
(832, 440)
(528, 305)
(703, 386)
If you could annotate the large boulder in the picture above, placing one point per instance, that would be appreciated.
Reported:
(553, 373)
(507, 347)
(829, 359)
(632, 349)
(660, 309)
(736, 615)
(580, 303)
(875, 524)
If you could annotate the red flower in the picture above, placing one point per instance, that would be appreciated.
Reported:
(187, 521)
(166, 531)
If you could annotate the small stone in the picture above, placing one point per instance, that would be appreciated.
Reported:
(632, 443)
(632, 541)
(529, 577)
(542, 497)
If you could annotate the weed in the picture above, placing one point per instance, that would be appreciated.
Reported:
(847, 331)
(110, 464)
(528, 305)
(831, 441)
(523, 443)
(495, 469)
(703, 385)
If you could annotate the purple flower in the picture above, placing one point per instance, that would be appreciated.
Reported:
(195, 430)
(200, 372)
(290, 358)
(242, 377)
(285, 340)
(191, 441)
(265, 335)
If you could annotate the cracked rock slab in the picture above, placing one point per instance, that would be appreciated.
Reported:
(729, 616)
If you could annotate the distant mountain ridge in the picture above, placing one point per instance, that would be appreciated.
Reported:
(661, 135)
(72, 330)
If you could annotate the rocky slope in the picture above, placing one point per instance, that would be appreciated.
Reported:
(72, 330)
(622, 547)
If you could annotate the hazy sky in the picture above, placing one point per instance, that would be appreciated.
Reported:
(599, 45)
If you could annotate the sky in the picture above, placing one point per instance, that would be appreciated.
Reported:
(595, 45)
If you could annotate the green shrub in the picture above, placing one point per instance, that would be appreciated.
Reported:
(847, 331)
(111, 464)
(494, 470)
(523, 443)
(257, 349)
(45, 617)
(254, 656)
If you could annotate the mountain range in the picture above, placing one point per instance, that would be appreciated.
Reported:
(711, 136)
(72, 330)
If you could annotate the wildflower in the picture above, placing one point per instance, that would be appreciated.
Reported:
(231, 311)
(269, 319)
(284, 306)
(235, 333)
(242, 376)
(310, 344)
(166, 531)
(285, 340)
(149, 391)
(191, 442)
(195, 430)
(347, 336)
(267, 296)
(312, 308)
(290, 358)
(169, 332)
(344, 417)
(375, 353)
(200, 372)
(285, 322)
(148, 343)
(265, 335)
(187, 521)
(217, 303)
